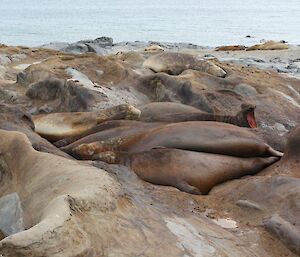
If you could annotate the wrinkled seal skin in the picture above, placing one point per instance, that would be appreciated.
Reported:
(56, 126)
(285, 231)
(191, 172)
(204, 136)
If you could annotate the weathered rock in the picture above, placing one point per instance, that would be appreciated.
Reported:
(63, 95)
(11, 213)
(4, 60)
(16, 118)
(245, 90)
(285, 231)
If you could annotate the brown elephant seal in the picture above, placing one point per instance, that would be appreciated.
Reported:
(150, 111)
(269, 45)
(285, 231)
(106, 125)
(231, 48)
(201, 136)
(176, 63)
(56, 126)
(121, 131)
(191, 172)
(160, 113)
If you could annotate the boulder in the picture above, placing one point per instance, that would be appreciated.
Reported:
(11, 214)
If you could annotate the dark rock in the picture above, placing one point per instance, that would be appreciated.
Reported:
(11, 214)
(245, 90)
(62, 96)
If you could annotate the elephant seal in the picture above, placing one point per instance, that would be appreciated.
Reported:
(161, 112)
(269, 45)
(106, 125)
(121, 131)
(150, 111)
(56, 126)
(176, 63)
(191, 172)
(201, 136)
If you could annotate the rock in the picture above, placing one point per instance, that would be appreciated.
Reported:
(18, 57)
(100, 41)
(63, 96)
(248, 204)
(16, 118)
(8, 95)
(245, 90)
(4, 60)
(76, 48)
(285, 231)
(2, 71)
(11, 214)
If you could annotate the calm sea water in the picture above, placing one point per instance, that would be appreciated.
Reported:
(204, 22)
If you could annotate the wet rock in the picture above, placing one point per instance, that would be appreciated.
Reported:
(11, 214)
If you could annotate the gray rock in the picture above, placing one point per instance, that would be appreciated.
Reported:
(18, 57)
(100, 41)
(4, 60)
(2, 71)
(11, 213)
(8, 95)
(248, 204)
(76, 48)
(245, 90)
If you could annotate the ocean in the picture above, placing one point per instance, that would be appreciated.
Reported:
(203, 22)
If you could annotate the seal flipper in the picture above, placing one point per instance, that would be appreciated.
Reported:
(185, 187)
(274, 152)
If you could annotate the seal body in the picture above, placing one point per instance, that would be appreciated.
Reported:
(204, 136)
(192, 172)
